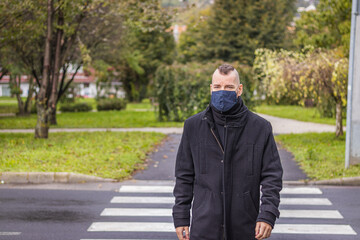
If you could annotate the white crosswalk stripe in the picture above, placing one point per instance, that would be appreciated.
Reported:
(132, 227)
(169, 200)
(314, 229)
(137, 212)
(146, 189)
(301, 190)
(9, 233)
(148, 201)
(305, 201)
(327, 214)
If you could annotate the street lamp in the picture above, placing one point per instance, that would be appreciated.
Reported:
(352, 149)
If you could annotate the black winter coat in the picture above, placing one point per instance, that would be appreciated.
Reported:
(224, 181)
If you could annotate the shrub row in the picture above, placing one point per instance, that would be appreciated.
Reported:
(75, 107)
(111, 104)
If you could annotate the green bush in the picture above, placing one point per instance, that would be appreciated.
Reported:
(111, 104)
(182, 90)
(75, 107)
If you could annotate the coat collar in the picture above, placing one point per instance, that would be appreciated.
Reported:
(236, 120)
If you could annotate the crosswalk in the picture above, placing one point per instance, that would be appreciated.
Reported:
(141, 211)
(308, 213)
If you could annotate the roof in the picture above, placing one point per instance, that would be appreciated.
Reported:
(80, 77)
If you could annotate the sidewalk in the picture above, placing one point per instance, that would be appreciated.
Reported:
(286, 126)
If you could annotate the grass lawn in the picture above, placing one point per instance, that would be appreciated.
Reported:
(104, 119)
(144, 105)
(104, 154)
(8, 105)
(320, 155)
(295, 112)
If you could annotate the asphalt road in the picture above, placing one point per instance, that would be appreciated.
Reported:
(43, 214)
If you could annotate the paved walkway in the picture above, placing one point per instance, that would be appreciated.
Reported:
(161, 163)
(280, 126)
(284, 125)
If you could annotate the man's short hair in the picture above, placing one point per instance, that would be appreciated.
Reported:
(226, 68)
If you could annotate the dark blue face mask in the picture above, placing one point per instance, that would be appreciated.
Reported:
(223, 100)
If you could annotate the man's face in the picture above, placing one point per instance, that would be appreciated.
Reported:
(226, 82)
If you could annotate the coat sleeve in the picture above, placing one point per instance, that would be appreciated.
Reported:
(271, 181)
(184, 173)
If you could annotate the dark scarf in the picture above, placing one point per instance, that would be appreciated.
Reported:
(221, 118)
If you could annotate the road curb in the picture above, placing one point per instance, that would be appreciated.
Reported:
(49, 177)
(68, 177)
(348, 181)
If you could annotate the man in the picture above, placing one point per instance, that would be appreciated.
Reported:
(226, 152)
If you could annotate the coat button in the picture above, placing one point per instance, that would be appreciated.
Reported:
(222, 193)
(222, 161)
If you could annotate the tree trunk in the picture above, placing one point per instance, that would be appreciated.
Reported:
(28, 102)
(42, 127)
(339, 126)
(56, 72)
(18, 95)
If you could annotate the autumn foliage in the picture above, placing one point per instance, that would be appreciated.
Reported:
(311, 77)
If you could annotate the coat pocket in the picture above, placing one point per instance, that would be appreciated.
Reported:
(199, 197)
(250, 205)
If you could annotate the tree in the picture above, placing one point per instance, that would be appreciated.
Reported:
(235, 28)
(47, 36)
(327, 27)
(318, 75)
(146, 43)
(187, 48)
(16, 72)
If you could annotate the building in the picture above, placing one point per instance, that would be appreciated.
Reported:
(84, 85)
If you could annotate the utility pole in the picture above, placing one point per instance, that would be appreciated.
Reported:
(352, 152)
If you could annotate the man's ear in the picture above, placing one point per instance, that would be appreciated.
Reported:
(240, 90)
(210, 88)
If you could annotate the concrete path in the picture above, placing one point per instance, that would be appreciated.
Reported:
(285, 126)
(280, 126)
(161, 163)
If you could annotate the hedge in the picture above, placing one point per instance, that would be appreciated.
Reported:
(183, 90)
(75, 107)
(111, 104)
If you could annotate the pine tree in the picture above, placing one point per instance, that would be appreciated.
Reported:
(235, 28)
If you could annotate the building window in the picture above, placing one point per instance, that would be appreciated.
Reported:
(86, 85)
